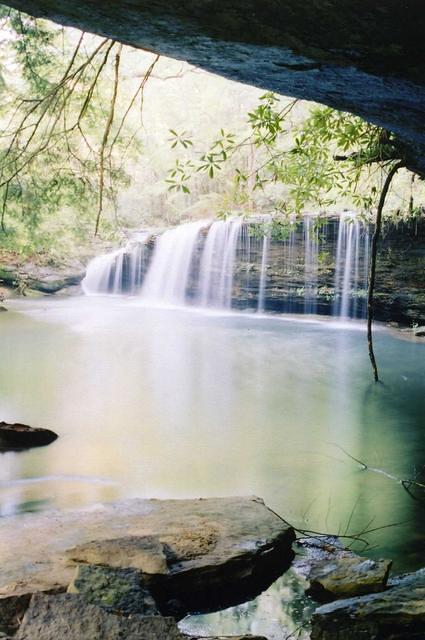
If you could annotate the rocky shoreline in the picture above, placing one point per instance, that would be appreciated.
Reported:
(133, 569)
(149, 557)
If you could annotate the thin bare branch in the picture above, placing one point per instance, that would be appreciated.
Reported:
(105, 139)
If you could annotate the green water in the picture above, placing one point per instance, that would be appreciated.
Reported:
(168, 403)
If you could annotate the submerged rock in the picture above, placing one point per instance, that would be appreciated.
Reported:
(217, 551)
(335, 572)
(395, 614)
(19, 436)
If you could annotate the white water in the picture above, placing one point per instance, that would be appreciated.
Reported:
(119, 270)
(217, 264)
(351, 276)
(220, 265)
(263, 272)
(167, 278)
(311, 251)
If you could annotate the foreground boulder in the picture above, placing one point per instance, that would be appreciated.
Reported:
(68, 617)
(115, 590)
(14, 437)
(335, 572)
(195, 555)
(395, 614)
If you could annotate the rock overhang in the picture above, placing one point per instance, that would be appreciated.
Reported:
(368, 60)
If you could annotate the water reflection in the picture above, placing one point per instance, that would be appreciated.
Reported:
(161, 403)
(277, 613)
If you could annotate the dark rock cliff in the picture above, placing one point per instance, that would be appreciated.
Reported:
(367, 58)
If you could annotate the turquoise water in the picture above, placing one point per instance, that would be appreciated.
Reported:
(173, 403)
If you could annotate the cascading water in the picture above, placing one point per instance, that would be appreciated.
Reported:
(310, 270)
(217, 264)
(119, 271)
(311, 251)
(263, 272)
(351, 268)
(168, 275)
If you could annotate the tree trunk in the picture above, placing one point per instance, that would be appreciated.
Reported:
(372, 271)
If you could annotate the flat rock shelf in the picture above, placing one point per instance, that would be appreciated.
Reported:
(194, 555)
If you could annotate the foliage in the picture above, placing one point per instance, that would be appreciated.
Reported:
(331, 157)
(68, 146)
(63, 130)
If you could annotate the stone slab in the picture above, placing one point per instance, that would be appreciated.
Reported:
(395, 614)
(218, 550)
(335, 572)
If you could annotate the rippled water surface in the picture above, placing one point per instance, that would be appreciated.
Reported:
(168, 403)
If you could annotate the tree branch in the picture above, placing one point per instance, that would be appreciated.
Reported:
(372, 271)
(105, 139)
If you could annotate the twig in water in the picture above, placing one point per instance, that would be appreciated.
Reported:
(406, 483)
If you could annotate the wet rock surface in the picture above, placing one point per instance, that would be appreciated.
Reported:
(395, 614)
(218, 551)
(43, 279)
(291, 287)
(293, 282)
(334, 572)
(15, 437)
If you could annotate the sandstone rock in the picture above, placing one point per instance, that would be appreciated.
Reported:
(219, 551)
(395, 614)
(12, 610)
(334, 572)
(69, 617)
(19, 436)
(145, 553)
(115, 590)
(420, 332)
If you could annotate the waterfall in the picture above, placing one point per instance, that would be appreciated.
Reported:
(227, 265)
(217, 264)
(351, 268)
(311, 250)
(119, 271)
(168, 276)
(263, 272)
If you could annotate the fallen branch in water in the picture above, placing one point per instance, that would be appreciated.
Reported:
(405, 483)
(354, 537)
